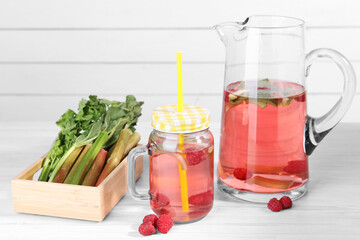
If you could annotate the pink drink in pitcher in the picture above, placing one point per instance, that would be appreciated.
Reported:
(165, 182)
(262, 148)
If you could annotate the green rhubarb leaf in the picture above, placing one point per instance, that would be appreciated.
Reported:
(89, 135)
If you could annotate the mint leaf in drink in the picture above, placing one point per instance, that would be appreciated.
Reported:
(264, 88)
(286, 101)
(261, 102)
(264, 84)
(264, 102)
(272, 102)
(264, 94)
(239, 99)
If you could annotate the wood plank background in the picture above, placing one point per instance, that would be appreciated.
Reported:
(53, 53)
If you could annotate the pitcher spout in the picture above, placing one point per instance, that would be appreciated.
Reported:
(227, 29)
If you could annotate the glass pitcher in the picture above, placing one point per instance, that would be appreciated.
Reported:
(266, 134)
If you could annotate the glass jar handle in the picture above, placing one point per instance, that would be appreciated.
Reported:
(131, 173)
(317, 128)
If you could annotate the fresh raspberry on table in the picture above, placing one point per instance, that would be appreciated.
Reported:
(286, 202)
(296, 166)
(159, 200)
(151, 218)
(147, 228)
(242, 173)
(164, 223)
(274, 205)
(195, 156)
(201, 199)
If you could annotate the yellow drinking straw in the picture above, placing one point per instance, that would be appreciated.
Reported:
(182, 173)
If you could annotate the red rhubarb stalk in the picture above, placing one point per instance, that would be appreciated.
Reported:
(95, 169)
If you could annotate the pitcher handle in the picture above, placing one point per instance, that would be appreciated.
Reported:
(317, 128)
(131, 173)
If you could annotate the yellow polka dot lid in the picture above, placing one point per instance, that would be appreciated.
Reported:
(192, 119)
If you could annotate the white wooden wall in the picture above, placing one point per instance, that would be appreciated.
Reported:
(53, 53)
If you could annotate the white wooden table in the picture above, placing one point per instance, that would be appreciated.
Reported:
(331, 209)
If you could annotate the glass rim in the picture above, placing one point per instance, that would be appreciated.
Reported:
(283, 22)
(296, 22)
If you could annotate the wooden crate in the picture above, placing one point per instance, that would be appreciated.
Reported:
(70, 201)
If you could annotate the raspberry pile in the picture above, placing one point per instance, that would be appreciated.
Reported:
(150, 222)
(278, 205)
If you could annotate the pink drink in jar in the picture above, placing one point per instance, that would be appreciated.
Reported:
(165, 182)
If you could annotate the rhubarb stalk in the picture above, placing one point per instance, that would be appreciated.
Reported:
(86, 162)
(95, 169)
(77, 163)
(133, 141)
(270, 183)
(116, 155)
(65, 168)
